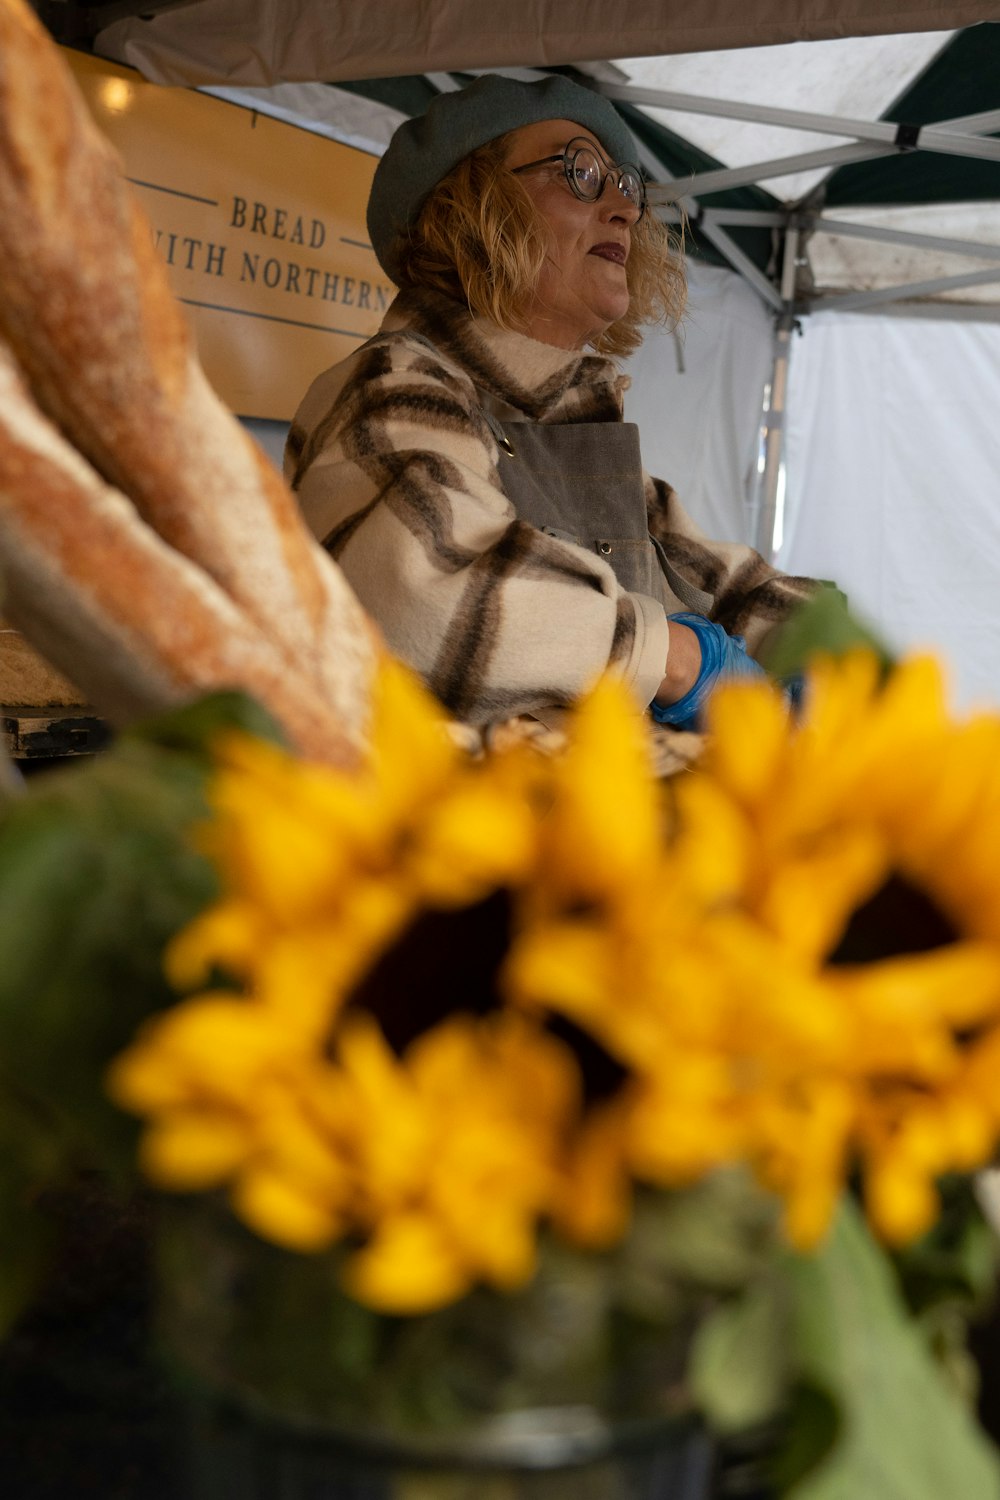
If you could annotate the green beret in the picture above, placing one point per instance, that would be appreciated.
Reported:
(424, 150)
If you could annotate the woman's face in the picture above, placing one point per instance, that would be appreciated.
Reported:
(582, 289)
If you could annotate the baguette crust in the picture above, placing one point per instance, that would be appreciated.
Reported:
(88, 310)
(137, 625)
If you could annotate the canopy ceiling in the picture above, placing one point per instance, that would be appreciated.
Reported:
(269, 41)
(816, 64)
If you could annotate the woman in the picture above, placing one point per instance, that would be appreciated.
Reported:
(469, 467)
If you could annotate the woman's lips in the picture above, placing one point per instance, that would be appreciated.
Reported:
(611, 250)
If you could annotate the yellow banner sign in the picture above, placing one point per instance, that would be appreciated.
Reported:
(261, 226)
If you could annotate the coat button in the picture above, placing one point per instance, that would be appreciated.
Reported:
(606, 548)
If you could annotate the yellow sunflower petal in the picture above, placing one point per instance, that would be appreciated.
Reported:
(500, 1245)
(902, 1202)
(715, 841)
(193, 1150)
(594, 1204)
(280, 1209)
(407, 1267)
(145, 1079)
(748, 725)
(412, 754)
(226, 936)
(840, 692)
(958, 985)
(810, 896)
(477, 838)
(593, 845)
(560, 967)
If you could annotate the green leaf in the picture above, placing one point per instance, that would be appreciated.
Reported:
(905, 1435)
(740, 1362)
(822, 1352)
(97, 872)
(948, 1279)
(956, 1262)
(192, 727)
(716, 1236)
(31, 1155)
(825, 624)
(24, 1251)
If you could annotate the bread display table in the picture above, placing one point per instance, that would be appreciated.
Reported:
(42, 716)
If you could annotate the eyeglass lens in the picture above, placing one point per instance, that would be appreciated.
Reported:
(586, 176)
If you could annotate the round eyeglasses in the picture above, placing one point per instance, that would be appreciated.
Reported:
(587, 174)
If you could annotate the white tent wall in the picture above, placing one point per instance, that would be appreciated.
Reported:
(696, 398)
(893, 481)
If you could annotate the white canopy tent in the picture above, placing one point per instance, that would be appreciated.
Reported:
(269, 41)
(891, 457)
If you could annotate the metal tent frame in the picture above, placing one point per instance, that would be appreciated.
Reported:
(795, 224)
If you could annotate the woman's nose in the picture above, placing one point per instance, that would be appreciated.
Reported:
(614, 204)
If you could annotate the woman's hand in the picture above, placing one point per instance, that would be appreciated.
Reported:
(698, 667)
(683, 666)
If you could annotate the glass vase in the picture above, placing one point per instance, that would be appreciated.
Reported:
(291, 1391)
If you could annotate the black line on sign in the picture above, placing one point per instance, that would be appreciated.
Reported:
(241, 312)
(358, 244)
(174, 192)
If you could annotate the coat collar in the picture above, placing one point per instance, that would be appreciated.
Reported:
(534, 380)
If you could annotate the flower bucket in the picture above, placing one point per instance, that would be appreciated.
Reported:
(291, 1391)
(233, 1453)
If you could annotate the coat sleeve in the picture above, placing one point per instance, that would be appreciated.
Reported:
(396, 472)
(749, 596)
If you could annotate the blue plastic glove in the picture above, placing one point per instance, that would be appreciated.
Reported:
(722, 655)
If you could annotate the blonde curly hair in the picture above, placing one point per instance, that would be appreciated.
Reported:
(480, 237)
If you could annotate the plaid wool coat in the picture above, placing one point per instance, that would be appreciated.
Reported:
(396, 467)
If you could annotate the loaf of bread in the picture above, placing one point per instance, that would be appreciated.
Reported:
(86, 307)
(136, 624)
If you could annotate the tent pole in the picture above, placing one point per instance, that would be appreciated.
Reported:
(974, 248)
(854, 301)
(945, 137)
(771, 461)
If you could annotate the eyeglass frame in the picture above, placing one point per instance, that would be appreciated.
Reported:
(620, 167)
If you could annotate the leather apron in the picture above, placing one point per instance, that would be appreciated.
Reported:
(582, 482)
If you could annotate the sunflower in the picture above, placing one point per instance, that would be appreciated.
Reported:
(345, 1069)
(322, 870)
(857, 903)
(464, 997)
(433, 1167)
(613, 943)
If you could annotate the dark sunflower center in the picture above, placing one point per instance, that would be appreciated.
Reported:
(602, 1074)
(448, 962)
(445, 962)
(899, 919)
